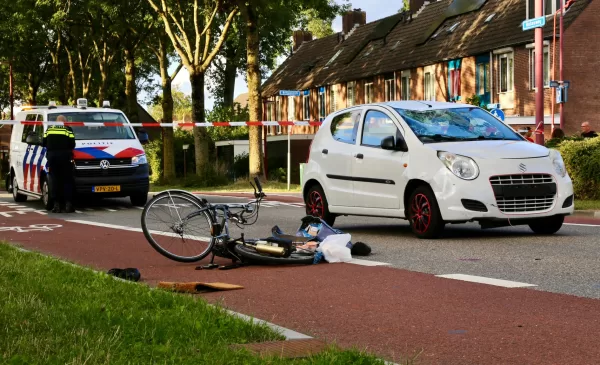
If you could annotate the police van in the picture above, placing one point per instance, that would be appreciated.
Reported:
(108, 160)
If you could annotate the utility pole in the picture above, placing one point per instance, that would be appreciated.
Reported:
(539, 75)
(560, 57)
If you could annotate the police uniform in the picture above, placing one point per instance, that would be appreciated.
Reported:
(60, 142)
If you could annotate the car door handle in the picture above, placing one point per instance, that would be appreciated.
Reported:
(325, 151)
(359, 156)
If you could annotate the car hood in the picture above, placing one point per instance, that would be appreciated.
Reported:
(493, 149)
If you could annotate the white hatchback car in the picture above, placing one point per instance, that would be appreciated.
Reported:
(433, 163)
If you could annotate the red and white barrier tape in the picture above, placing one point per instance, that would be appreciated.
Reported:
(157, 125)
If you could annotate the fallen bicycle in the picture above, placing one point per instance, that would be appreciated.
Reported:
(204, 229)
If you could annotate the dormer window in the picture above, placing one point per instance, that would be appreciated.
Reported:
(453, 27)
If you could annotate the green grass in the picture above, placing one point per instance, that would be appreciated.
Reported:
(55, 313)
(242, 186)
(587, 204)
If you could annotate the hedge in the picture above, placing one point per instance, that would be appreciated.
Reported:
(582, 160)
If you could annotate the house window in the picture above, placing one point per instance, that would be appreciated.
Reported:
(405, 87)
(390, 88)
(454, 80)
(549, 7)
(332, 99)
(306, 105)
(350, 94)
(429, 86)
(506, 70)
(546, 61)
(279, 115)
(291, 104)
(483, 82)
(368, 92)
(322, 109)
(270, 113)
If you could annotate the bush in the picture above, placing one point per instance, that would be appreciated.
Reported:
(241, 166)
(154, 153)
(582, 159)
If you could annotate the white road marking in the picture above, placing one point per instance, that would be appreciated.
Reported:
(367, 263)
(582, 225)
(484, 280)
(110, 210)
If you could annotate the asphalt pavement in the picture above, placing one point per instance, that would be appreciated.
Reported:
(565, 263)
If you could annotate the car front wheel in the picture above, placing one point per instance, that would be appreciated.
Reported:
(424, 215)
(548, 225)
(317, 206)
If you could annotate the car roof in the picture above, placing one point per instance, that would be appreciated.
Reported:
(420, 105)
(68, 109)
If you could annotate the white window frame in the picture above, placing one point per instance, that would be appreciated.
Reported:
(555, 8)
(368, 87)
(531, 48)
(291, 108)
(321, 99)
(333, 98)
(429, 70)
(405, 76)
(390, 89)
(510, 73)
(306, 107)
(350, 96)
(279, 113)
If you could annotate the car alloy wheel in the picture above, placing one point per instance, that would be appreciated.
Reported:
(421, 213)
(315, 204)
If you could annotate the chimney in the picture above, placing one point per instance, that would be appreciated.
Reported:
(301, 36)
(352, 18)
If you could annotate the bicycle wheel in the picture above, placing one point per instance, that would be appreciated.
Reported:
(178, 227)
(252, 255)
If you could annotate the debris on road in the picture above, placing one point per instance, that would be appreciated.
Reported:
(197, 287)
(129, 273)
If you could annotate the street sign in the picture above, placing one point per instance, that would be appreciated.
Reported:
(534, 23)
(493, 106)
(498, 113)
(289, 93)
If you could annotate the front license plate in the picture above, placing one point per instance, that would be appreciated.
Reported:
(106, 189)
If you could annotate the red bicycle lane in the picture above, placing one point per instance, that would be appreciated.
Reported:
(390, 312)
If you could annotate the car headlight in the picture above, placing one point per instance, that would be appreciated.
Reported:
(559, 164)
(461, 166)
(139, 160)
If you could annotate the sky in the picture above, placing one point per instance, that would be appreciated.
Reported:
(375, 9)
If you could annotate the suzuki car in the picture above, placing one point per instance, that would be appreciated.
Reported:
(108, 160)
(433, 163)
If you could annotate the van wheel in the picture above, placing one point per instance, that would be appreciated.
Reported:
(317, 206)
(19, 198)
(139, 200)
(47, 200)
(548, 225)
(424, 214)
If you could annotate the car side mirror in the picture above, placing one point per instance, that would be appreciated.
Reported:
(394, 144)
(143, 136)
(32, 139)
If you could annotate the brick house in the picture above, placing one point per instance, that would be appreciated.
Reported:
(442, 50)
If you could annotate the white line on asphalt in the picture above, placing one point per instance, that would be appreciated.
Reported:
(140, 208)
(582, 225)
(110, 210)
(78, 212)
(139, 230)
(484, 280)
(367, 263)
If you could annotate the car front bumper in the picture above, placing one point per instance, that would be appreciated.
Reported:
(131, 181)
(502, 192)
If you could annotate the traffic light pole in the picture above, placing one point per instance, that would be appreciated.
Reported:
(539, 76)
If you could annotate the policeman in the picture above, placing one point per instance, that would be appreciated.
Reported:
(60, 142)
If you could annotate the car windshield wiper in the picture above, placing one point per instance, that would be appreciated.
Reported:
(439, 137)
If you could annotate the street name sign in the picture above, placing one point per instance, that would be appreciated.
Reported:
(534, 23)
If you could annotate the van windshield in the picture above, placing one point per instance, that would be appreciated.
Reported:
(83, 133)
(457, 124)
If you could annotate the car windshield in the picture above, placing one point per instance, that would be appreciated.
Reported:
(457, 124)
(83, 133)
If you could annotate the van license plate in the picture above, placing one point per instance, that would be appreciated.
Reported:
(106, 189)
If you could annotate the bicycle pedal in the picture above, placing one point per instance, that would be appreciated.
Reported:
(229, 267)
(207, 267)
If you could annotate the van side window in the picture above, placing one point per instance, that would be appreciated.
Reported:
(344, 127)
(376, 127)
(27, 129)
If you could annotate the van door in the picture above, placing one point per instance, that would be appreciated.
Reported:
(378, 174)
(37, 154)
(21, 152)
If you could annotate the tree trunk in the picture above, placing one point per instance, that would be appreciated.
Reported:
(31, 89)
(102, 87)
(231, 68)
(62, 93)
(71, 78)
(200, 135)
(130, 88)
(254, 100)
(167, 107)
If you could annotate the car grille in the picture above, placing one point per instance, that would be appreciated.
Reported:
(104, 173)
(96, 162)
(524, 193)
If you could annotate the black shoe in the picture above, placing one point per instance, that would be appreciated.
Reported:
(56, 208)
(69, 208)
